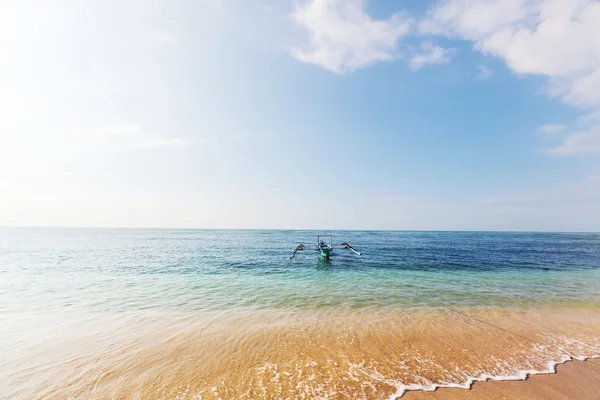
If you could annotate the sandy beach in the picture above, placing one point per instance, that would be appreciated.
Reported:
(574, 380)
(311, 355)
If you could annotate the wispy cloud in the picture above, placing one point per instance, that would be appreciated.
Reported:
(552, 128)
(549, 197)
(430, 54)
(579, 143)
(583, 139)
(403, 199)
(525, 200)
(344, 38)
(484, 72)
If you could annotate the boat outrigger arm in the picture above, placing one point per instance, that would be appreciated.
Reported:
(325, 249)
(347, 246)
(297, 249)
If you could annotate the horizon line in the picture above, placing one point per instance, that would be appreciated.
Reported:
(291, 229)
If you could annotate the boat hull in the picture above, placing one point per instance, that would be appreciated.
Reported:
(325, 252)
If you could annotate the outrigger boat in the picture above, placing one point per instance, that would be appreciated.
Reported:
(325, 248)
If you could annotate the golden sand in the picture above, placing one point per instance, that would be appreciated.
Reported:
(277, 355)
(575, 380)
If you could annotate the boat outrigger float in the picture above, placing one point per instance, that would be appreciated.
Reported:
(324, 248)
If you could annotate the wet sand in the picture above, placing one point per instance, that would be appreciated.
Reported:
(574, 380)
(279, 355)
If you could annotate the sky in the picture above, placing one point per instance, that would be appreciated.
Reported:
(301, 114)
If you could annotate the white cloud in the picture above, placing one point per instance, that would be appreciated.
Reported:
(584, 90)
(555, 38)
(552, 128)
(430, 54)
(344, 38)
(559, 39)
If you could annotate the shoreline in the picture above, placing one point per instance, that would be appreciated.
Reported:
(264, 355)
(572, 379)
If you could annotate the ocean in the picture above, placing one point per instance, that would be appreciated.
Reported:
(199, 314)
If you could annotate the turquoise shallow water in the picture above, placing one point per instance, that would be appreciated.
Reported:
(118, 270)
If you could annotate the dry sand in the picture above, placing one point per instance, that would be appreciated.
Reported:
(574, 380)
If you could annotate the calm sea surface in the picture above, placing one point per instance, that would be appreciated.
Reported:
(121, 270)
